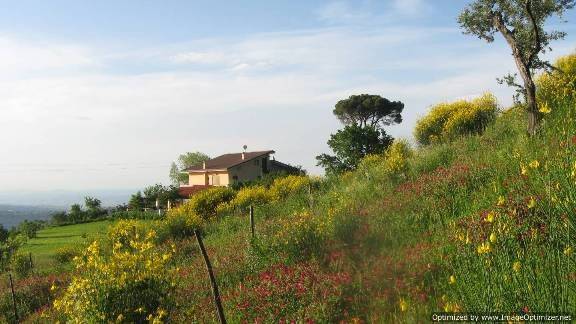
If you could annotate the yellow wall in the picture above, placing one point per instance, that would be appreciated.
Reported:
(195, 179)
(246, 171)
(213, 178)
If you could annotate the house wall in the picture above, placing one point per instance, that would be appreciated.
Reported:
(195, 179)
(214, 178)
(247, 171)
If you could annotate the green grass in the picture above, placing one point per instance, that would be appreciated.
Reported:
(50, 239)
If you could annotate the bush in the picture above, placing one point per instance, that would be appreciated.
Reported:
(66, 254)
(254, 195)
(180, 223)
(135, 214)
(132, 284)
(559, 86)
(286, 186)
(21, 265)
(32, 295)
(446, 121)
(205, 203)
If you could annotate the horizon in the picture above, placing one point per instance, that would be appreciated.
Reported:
(104, 95)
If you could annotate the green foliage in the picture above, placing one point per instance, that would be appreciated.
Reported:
(135, 214)
(446, 121)
(29, 228)
(161, 194)
(351, 145)
(186, 160)
(368, 110)
(521, 23)
(65, 254)
(21, 265)
(136, 201)
(31, 296)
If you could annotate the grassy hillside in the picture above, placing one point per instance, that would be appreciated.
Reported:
(49, 240)
(477, 223)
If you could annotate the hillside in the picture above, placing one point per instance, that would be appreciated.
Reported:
(11, 215)
(473, 223)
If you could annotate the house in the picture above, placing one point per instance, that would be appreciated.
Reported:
(232, 168)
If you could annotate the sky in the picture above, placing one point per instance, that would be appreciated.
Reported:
(106, 94)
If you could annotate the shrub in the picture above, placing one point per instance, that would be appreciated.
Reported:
(180, 223)
(205, 203)
(254, 195)
(132, 284)
(66, 254)
(446, 121)
(559, 86)
(286, 186)
(32, 294)
(21, 265)
(135, 214)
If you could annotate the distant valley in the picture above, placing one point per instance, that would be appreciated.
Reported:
(11, 215)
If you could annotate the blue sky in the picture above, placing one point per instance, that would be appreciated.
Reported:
(105, 94)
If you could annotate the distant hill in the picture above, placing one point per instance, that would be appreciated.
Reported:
(11, 215)
(64, 198)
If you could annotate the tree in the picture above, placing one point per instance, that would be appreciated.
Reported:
(368, 110)
(76, 214)
(136, 201)
(92, 203)
(186, 160)
(3, 234)
(521, 23)
(351, 145)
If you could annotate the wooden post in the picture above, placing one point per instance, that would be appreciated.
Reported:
(310, 197)
(252, 220)
(13, 297)
(30, 257)
(213, 283)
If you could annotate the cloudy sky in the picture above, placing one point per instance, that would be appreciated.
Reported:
(105, 94)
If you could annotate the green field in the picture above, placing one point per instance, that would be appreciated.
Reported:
(50, 239)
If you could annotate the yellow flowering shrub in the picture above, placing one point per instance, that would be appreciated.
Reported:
(253, 195)
(285, 186)
(181, 221)
(559, 85)
(448, 120)
(129, 281)
(396, 157)
(205, 203)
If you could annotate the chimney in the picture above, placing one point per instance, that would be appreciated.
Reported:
(243, 155)
(203, 165)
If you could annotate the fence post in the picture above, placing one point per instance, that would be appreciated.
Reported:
(30, 257)
(213, 283)
(13, 297)
(252, 220)
(310, 196)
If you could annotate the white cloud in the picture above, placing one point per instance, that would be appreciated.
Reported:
(99, 128)
(21, 57)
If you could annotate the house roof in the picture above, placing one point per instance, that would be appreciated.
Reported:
(227, 161)
(187, 191)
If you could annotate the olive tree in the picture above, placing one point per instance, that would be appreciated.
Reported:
(521, 23)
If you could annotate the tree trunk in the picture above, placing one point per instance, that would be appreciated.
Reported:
(532, 107)
(525, 73)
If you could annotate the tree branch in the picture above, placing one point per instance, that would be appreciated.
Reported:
(537, 43)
